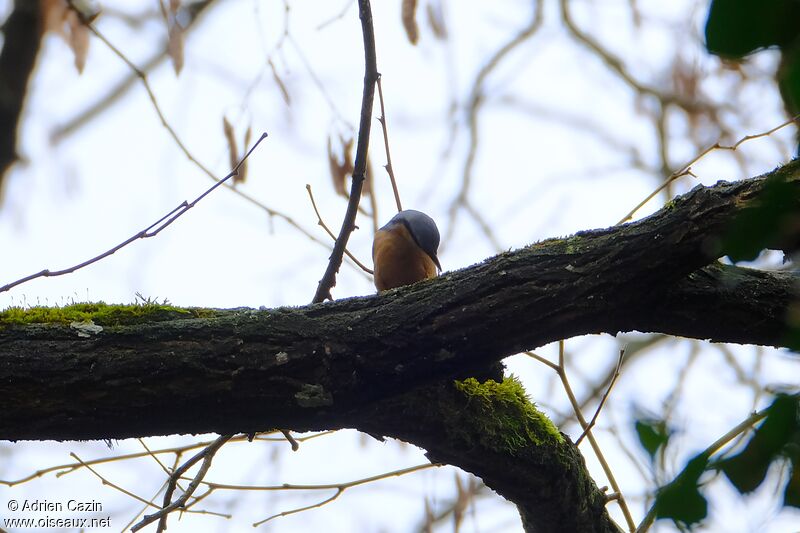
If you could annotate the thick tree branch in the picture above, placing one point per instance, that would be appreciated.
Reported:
(382, 363)
(723, 303)
(485, 430)
(22, 35)
(302, 368)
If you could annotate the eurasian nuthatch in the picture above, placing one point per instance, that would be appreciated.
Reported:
(404, 250)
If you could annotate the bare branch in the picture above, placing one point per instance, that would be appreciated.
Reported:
(339, 487)
(603, 399)
(292, 441)
(207, 455)
(473, 107)
(330, 233)
(142, 76)
(121, 88)
(150, 231)
(562, 373)
(686, 170)
(328, 280)
(388, 167)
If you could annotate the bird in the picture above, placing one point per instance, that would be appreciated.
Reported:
(404, 250)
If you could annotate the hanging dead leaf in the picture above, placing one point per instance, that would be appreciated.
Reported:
(341, 163)
(78, 39)
(369, 175)
(54, 14)
(435, 17)
(463, 497)
(175, 45)
(408, 14)
(233, 150)
(279, 82)
(59, 18)
(242, 176)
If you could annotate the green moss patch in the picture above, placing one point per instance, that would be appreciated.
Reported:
(506, 417)
(98, 312)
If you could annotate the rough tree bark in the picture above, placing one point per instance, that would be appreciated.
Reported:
(385, 364)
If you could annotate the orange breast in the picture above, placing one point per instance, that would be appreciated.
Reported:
(398, 260)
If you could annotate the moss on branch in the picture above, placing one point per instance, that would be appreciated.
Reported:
(507, 418)
(99, 313)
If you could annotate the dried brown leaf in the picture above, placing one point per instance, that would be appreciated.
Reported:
(233, 150)
(175, 45)
(369, 174)
(408, 14)
(636, 15)
(435, 17)
(54, 15)
(59, 18)
(463, 498)
(78, 39)
(341, 163)
(279, 82)
(243, 169)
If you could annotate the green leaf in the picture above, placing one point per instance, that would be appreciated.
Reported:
(681, 500)
(748, 469)
(653, 434)
(735, 28)
(763, 224)
(792, 337)
(788, 78)
(791, 496)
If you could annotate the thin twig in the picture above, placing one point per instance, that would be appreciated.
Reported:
(135, 518)
(562, 374)
(632, 352)
(110, 484)
(150, 231)
(336, 17)
(122, 87)
(614, 377)
(339, 487)
(328, 280)
(542, 360)
(298, 439)
(616, 65)
(292, 441)
(156, 459)
(474, 105)
(388, 166)
(330, 233)
(687, 168)
(338, 493)
(139, 73)
(179, 450)
(207, 455)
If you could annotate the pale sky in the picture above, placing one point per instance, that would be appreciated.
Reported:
(560, 139)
